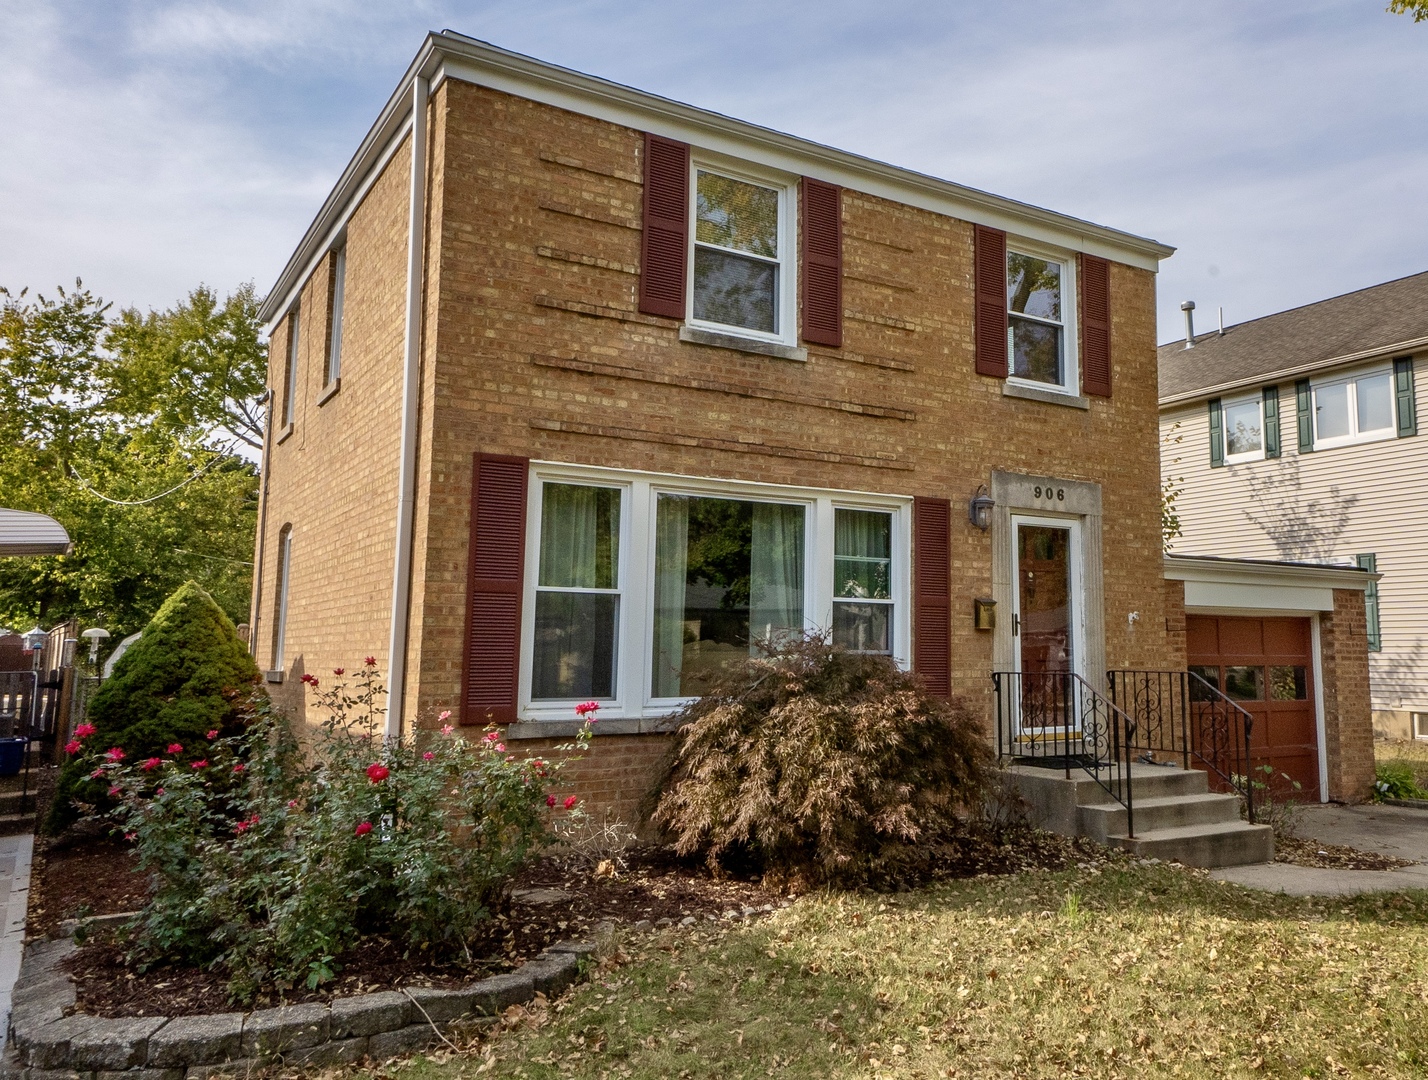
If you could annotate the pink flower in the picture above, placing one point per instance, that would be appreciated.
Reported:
(570, 801)
(550, 800)
(96, 774)
(131, 836)
(371, 661)
(364, 828)
(213, 734)
(158, 791)
(240, 767)
(587, 708)
(175, 748)
(445, 716)
(377, 773)
(428, 756)
(447, 730)
(500, 748)
(116, 790)
(244, 826)
(114, 754)
(84, 731)
(292, 804)
(492, 736)
(151, 763)
(74, 746)
(200, 764)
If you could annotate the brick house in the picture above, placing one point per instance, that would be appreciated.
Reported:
(579, 392)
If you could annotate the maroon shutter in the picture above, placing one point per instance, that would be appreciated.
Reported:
(664, 246)
(495, 573)
(932, 593)
(822, 263)
(991, 295)
(1095, 326)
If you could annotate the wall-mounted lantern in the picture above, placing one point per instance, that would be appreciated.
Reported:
(979, 510)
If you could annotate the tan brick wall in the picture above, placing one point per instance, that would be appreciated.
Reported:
(1177, 649)
(1348, 722)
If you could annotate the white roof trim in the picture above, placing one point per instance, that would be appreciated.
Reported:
(1209, 570)
(451, 55)
(23, 533)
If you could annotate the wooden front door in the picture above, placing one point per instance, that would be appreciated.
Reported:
(1266, 666)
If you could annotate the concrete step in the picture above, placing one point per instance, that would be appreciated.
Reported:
(17, 824)
(1104, 820)
(1230, 843)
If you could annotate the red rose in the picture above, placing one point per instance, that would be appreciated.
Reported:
(364, 828)
(200, 764)
(115, 790)
(339, 671)
(550, 800)
(240, 767)
(151, 763)
(114, 754)
(159, 791)
(428, 756)
(377, 773)
(570, 801)
(371, 661)
(213, 734)
(587, 708)
(175, 748)
(96, 774)
(84, 731)
(74, 746)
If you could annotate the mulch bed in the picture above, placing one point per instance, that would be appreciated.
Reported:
(1299, 851)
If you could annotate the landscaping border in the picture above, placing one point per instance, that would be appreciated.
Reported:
(48, 1042)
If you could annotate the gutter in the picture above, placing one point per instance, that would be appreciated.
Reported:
(1376, 353)
(411, 407)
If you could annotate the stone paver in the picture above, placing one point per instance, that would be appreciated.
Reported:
(15, 855)
(1312, 881)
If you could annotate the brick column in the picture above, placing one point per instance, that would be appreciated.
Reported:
(1348, 712)
(1175, 638)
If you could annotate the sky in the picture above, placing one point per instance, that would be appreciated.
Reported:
(147, 146)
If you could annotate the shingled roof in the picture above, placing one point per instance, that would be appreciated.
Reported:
(1355, 325)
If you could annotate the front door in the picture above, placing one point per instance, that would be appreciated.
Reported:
(1046, 618)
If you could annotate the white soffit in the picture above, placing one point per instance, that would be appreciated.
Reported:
(23, 533)
(1248, 585)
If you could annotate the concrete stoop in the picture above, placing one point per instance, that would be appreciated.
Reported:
(1177, 816)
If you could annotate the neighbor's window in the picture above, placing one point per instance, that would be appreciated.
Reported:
(862, 580)
(337, 282)
(728, 580)
(290, 389)
(577, 604)
(1244, 429)
(738, 256)
(1038, 298)
(1353, 408)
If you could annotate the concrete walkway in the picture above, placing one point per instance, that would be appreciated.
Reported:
(1389, 830)
(15, 854)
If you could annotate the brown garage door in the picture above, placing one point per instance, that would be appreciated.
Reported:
(1266, 666)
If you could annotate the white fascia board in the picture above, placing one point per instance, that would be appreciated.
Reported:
(1249, 574)
(1379, 352)
(1261, 599)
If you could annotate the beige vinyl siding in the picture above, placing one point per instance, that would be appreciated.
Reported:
(1326, 507)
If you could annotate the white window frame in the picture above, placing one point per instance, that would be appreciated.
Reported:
(635, 625)
(1070, 325)
(334, 318)
(285, 572)
(850, 601)
(1350, 379)
(1256, 400)
(786, 294)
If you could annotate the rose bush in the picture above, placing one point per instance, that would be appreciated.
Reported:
(269, 861)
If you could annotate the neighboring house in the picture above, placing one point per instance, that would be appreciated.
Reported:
(1296, 437)
(596, 390)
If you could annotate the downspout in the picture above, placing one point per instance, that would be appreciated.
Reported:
(411, 405)
(256, 607)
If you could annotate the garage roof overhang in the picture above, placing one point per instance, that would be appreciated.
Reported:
(23, 533)
(1261, 586)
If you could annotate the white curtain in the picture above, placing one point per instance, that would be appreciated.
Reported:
(775, 574)
(671, 569)
(579, 537)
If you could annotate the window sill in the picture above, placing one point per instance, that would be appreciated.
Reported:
(1049, 397)
(273, 676)
(695, 336)
(284, 435)
(330, 391)
(568, 729)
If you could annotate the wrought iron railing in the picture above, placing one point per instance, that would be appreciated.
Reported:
(1056, 719)
(1179, 714)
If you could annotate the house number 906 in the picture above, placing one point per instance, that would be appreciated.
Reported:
(1059, 494)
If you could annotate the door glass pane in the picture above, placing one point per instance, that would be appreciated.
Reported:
(1034, 286)
(574, 645)
(736, 214)
(579, 536)
(1201, 691)
(728, 577)
(1242, 428)
(735, 290)
(1036, 351)
(1288, 683)
(1044, 597)
(1375, 404)
(1331, 410)
(1244, 683)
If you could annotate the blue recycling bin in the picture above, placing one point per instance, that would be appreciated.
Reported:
(12, 755)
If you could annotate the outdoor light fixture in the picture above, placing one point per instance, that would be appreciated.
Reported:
(979, 510)
(94, 635)
(35, 643)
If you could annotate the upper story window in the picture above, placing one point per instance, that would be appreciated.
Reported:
(337, 286)
(291, 380)
(1041, 338)
(1244, 430)
(741, 268)
(1353, 408)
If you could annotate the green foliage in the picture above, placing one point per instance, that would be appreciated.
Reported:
(821, 766)
(129, 408)
(1417, 8)
(269, 864)
(1396, 780)
(186, 676)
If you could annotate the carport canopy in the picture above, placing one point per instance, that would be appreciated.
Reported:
(24, 533)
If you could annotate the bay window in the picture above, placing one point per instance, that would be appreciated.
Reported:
(641, 588)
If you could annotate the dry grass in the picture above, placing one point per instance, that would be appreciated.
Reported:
(1413, 752)
(1136, 972)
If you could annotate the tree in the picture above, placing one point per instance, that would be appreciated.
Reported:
(1417, 8)
(124, 429)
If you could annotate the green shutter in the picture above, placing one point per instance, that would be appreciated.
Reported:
(1375, 637)
(1217, 435)
(1304, 415)
(1271, 421)
(1403, 396)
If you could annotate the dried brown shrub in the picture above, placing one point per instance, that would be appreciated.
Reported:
(815, 766)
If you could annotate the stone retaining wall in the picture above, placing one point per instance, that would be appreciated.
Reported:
(46, 1044)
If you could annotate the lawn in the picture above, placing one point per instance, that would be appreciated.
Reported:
(1125, 971)
(1414, 752)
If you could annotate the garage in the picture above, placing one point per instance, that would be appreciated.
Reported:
(1266, 666)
